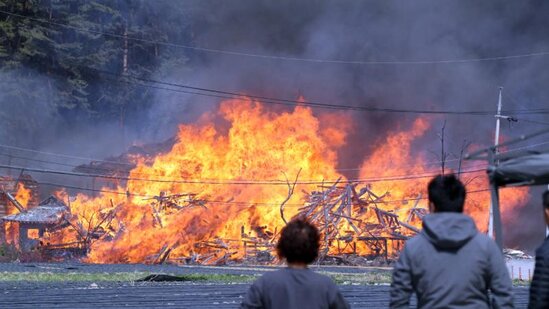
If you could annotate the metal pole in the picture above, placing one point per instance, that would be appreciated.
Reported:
(496, 142)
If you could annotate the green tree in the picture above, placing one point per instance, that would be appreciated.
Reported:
(73, 42)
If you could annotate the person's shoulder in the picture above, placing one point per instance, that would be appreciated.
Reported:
(273, 274)
(418, 238)
(486, 245)
(283, 274)
(311, 274)
(325, 280)
(485, 242)
(271, 278)
(415, 243)
(483, 238)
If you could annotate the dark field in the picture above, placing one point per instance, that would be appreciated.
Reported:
(55, 292)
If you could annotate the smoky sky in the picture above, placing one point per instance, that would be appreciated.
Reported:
(382, 31)
(372, 31)
(378, 31)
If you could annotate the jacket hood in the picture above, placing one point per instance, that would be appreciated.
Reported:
(448, 230)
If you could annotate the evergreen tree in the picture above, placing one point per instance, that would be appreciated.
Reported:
(73, 43)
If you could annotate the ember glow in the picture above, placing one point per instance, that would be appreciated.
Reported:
(23, 195)
(229, 176)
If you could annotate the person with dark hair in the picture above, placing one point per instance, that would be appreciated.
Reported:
(295, 286)
(450, 264)
(539, 288)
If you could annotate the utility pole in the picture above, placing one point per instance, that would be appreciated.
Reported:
(496, 142)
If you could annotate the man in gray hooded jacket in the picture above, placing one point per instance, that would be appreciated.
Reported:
(450, 264)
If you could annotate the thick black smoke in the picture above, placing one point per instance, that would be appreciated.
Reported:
(372, 31)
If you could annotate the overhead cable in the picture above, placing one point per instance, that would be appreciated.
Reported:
(228, 181)
(249, 204)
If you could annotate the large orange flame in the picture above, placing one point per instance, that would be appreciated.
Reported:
(225, 173)
(395, 157)
(23, 195)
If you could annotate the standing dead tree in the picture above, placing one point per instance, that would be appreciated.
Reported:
(291, 188)
(93, 226)
(464, 147)
(443, 154)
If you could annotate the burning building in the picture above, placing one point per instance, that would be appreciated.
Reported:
(15, 194)
(50, 215)
(222, 179)
(221, 192)
(217, 193)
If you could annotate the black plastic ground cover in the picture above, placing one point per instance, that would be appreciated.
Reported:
(166, 295)
(167, 278)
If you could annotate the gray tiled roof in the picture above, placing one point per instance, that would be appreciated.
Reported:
(51, 211)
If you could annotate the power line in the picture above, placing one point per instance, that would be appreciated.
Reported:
(73, 166)
(91, 190)
(280, 101)
(231, 181)
(96, 168)
(524, 147)
(62, 155)
(132, 165)
(227, 182)
(10, 156)
(221, 94)
(268, 100)
(250, 204)
(285, 58)
(535, 121)
(513, 99)
(82, 166)
(115, 170)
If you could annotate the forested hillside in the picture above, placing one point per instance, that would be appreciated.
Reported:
(70, 56)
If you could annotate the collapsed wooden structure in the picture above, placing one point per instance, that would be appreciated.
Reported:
(349, 218)
(31, 225)
(170, 203)
(354, 222)
(8, 192)
(50, 215)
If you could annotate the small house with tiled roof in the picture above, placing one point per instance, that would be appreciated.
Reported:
(50, 215)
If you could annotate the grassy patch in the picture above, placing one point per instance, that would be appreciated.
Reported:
(71, 276)
(121, 277)
(339, 278)
(517, 282)
(361, 278)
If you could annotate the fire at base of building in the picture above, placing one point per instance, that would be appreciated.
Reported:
(213, 194)
(336, 210)
(23, 228)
